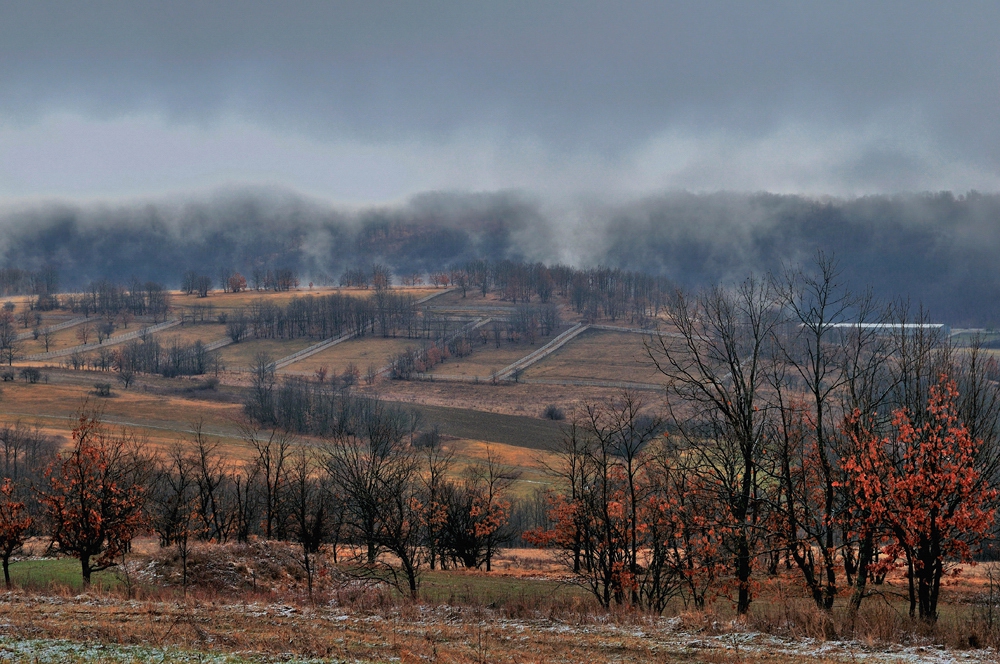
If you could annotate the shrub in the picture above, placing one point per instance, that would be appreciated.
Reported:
(102, 389)
(30, 374)
(553, 412)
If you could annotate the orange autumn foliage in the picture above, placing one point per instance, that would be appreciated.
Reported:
(922, 493)
(94, 495)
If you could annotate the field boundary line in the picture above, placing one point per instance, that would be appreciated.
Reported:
(543, 352)
(53, 328)
(216, 345)
(111, 341)
(312, 350)
(435, 294)
(329, 343)
(465, 329)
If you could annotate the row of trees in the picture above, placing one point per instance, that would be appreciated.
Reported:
(147, 355)
(372, 488)
(15, 281)
(231, 281)
(377, 276)
(803, 423)
(386, 313)
(111, 300)
(598, 293)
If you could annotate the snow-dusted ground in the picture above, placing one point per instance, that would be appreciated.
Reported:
(662, 639)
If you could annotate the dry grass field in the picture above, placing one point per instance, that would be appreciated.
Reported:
(527, 610)
(360, 351)
(599, 355)
(162, 419)
(62, 339)
(70, 336)
(524, 399)
(188, 334)
(228, 302)
(484, 360)
(240, 356)
(165, 412)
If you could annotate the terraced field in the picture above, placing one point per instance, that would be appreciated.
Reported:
(229, 302)
(361, 351)
(484, 360)
(242, 355)
(188, 334)
(602, 356)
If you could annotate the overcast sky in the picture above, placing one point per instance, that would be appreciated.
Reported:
(359, 102)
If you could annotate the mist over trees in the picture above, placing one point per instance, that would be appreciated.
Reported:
(936, 249)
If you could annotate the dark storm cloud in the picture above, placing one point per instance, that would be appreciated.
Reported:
(894, 95)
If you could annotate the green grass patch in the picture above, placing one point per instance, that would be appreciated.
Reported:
(58, 572)
(488, 590)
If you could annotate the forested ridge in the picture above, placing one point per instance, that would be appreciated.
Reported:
(935, 249)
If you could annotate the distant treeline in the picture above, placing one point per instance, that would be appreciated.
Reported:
(936, 249)
(15, 281)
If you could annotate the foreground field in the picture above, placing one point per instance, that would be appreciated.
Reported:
(525, 611)
(95, 629)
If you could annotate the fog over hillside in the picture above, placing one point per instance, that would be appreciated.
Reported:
(938, 250)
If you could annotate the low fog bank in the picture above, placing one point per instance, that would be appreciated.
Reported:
(935, 249)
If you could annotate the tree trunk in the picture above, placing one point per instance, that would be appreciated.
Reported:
(6, 571)
(865, 550)
(85, 569)
(743, 569)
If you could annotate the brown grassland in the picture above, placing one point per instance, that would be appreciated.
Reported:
(69, 337)
(228, 302)
(485, 360)
(244, 353)
(600, 355)
(249, 602)
(188, 334)
(361, 351)
(527, 610)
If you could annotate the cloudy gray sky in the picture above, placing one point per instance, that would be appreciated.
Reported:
(366, 101)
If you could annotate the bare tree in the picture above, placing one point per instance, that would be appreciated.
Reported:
(272, 449)
(713, 357)
(308, 500)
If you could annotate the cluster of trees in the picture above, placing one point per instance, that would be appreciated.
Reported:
(386, 313)
(193, 282)
(378, 276)
(371, 488)
(147, 355)
(15, 281)
(111, 300)
(597, 293)
(804, 424)
(231, 281)
(10, 343)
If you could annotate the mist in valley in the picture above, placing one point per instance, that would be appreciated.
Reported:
(937, 250)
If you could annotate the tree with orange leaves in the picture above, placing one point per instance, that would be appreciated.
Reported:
(95, 493)
(921, 491)
(14, 526)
